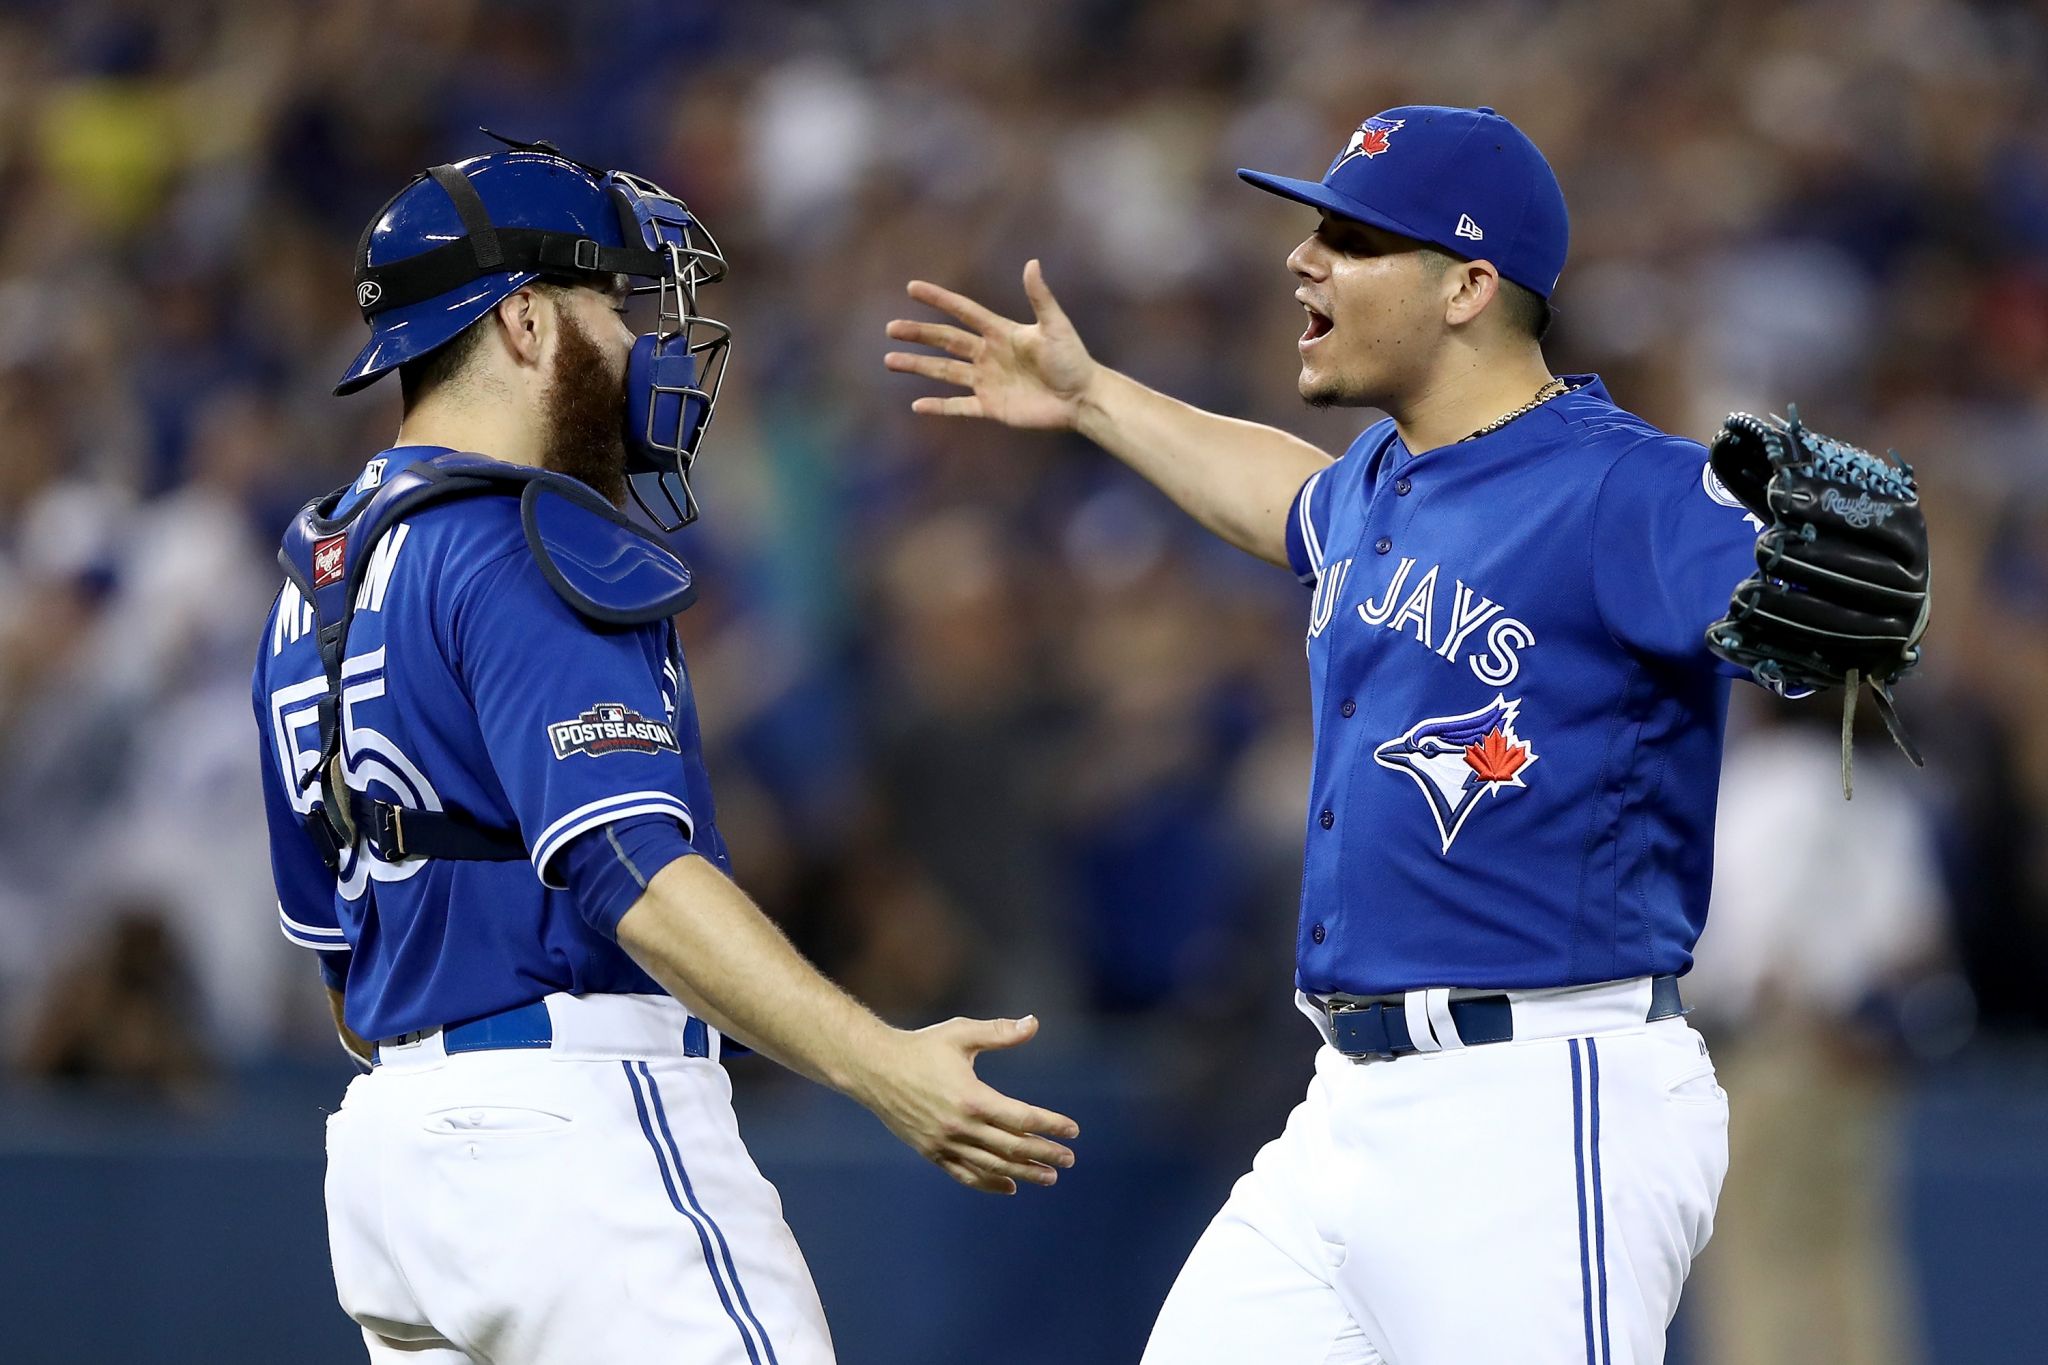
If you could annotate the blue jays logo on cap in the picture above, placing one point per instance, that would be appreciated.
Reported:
(1456, 760)
(1373, 137)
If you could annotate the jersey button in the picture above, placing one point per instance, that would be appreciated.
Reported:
(1349, 708)
(1382, 545)
(1317, 934)
(1401, 486)
(1327, 819)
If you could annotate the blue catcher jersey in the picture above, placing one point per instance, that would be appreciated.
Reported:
(470, 686)
(1518, 723)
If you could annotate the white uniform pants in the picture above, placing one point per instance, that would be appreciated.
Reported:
(1536, 1202)
(540, 1207)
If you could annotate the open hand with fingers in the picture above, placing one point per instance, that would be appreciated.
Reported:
(925, 1090)
(1030, 375)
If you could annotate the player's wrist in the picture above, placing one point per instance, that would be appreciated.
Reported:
(1097, 404)
(865, 1064)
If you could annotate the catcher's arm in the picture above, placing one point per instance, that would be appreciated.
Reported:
(1840, 596)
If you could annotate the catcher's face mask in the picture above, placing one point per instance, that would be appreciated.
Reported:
(675, 371)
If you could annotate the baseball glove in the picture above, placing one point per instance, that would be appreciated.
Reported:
(1840, 597)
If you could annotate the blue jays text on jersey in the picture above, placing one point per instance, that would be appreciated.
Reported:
(1518, 722)
(469, 687)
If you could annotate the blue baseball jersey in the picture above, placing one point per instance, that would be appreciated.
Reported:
(469, 686)
(1518, 723)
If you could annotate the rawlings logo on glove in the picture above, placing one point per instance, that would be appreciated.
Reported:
(1840, 596)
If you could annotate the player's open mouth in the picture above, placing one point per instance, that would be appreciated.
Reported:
(1318, 327)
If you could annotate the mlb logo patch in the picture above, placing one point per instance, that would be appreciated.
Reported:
(330, 561)
(1456, 761)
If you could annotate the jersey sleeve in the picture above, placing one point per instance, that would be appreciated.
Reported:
(287, 726)
(575, 716)
(609, 869)
(1305, 522)
(1669, 546)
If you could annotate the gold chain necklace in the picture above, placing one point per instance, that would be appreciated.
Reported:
(1552, 388)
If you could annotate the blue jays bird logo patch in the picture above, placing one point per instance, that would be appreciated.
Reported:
(1370, 140)
(1456, 760)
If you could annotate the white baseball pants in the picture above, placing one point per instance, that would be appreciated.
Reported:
(1536, 1202)
(552, 1205)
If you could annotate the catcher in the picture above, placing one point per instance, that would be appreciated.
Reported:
(1519, 711)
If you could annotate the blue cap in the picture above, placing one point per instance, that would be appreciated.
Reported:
(1466, 180)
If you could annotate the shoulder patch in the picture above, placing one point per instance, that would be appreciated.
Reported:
(1721, 493)
(610, 728)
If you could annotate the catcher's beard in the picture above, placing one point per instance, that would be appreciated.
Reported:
(586, 415)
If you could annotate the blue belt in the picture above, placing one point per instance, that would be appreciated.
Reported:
(1380, 1028)
(526, 1026)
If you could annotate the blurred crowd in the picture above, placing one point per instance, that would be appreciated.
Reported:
(992, 727)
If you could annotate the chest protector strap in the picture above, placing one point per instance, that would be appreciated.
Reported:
(596, 560)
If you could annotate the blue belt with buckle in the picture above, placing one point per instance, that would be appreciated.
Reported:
(1380, 1028)
(525, 1026)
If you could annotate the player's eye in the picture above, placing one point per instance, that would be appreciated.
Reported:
(1345, 242)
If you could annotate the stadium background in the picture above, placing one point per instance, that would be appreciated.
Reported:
(993, 729)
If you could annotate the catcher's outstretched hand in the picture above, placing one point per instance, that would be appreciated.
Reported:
(1029, 375)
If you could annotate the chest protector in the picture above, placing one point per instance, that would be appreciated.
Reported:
(602, 565)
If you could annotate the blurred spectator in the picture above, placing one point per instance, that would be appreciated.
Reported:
(121, 1012)
(1821, 977)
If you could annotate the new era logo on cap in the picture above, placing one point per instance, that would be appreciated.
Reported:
(1467, 228)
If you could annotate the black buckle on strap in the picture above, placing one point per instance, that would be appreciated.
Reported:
(395, 833)
(385, 823)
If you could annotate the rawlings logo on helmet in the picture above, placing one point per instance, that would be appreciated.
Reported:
(368, 292)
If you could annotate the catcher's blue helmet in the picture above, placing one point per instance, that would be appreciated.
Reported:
(449, 246)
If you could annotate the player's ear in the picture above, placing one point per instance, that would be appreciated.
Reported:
(1470, 286)
(525, 318)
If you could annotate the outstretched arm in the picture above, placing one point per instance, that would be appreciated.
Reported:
(704, 940)
(1237, 478)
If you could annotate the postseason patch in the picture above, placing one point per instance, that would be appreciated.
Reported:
(610, 728)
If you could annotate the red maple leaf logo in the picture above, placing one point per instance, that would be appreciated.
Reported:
(1494, 759)
(1372, 141)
